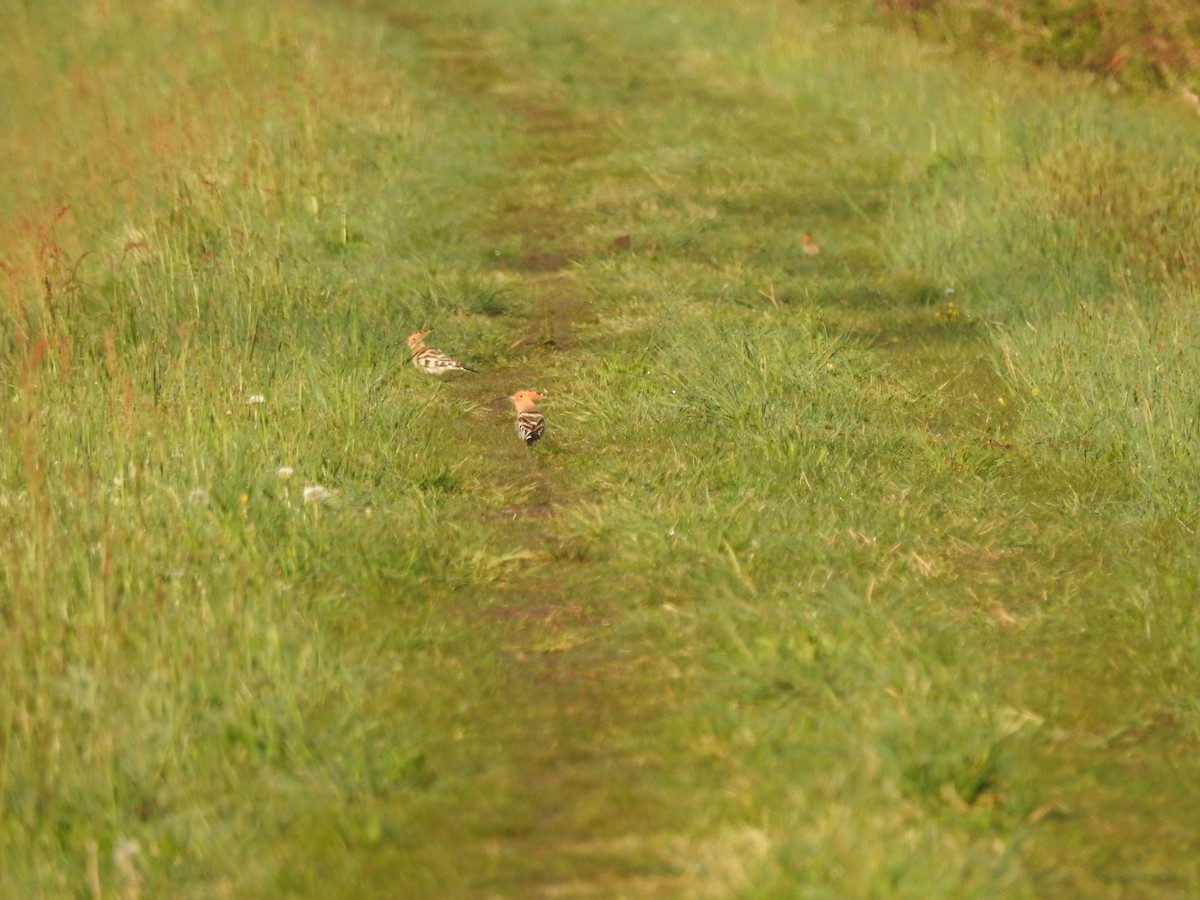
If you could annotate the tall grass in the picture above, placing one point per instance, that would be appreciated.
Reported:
(1072, 234)
(188, 269)
(1080, 249)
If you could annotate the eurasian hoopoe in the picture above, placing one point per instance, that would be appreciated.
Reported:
(531, 424)
(431, 361)
(811, 247)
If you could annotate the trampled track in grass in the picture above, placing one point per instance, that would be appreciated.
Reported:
(531, 212)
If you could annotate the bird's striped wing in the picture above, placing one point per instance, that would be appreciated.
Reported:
(530, 426)
(435, 362)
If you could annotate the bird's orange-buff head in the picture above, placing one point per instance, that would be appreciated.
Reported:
(417, 338)
(525, 400)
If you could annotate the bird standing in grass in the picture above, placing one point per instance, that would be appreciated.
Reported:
(431, 361)
(531, 424)
(811, 247)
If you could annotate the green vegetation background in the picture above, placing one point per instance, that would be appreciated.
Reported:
(866, 573)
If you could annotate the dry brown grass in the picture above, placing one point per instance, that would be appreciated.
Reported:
(1135, 45)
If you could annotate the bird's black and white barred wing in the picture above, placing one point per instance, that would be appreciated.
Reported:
(435, 362)
(530, 426)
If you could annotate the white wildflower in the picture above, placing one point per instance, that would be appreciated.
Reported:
(125, 852)
(255, 399)
(125, 858)
(284, 473)
(316, 493)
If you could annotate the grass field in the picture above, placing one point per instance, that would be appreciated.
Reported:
(868, 573)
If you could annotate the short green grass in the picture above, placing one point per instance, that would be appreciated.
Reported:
(861, 574)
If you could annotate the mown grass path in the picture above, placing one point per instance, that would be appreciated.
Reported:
(1105, 765)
